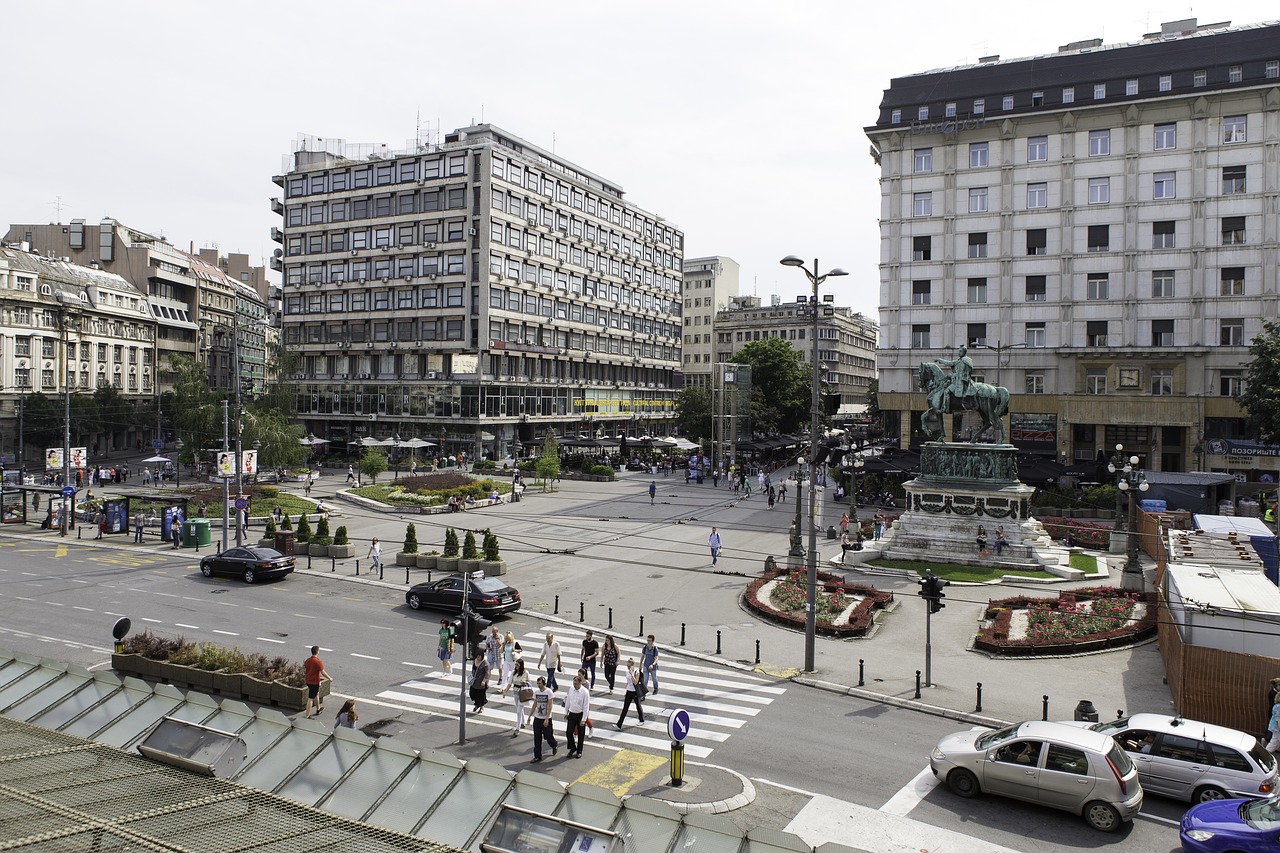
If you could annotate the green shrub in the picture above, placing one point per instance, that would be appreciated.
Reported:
(469, 551)
(450, 542)
(340, 537)
(303, 533)
(322, 528)
(491, 546)
(268, 491)
(271, 527)
(485, 465)
(286, 524)
(410, 539)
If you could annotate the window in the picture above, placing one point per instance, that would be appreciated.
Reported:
(1162, 284)
(1131, 87)
(1099, 238)
(1233, 129)
(1232, 231)
(1234, 74)
(978, 200)
(977, 290)
(1230, 383)
(1037, 149)
(922, 204)
(1095, 381)
(978, 154)
(1099, 190)
(1095, 333)
(1034, 382)
(976, 334)
(979, 106)
(1036, 288)
(1035, 335)
(1037, 99)
(1200, 78)
(1068, 94)
(1233, 180)
(1096, 285)
(950, 110)
(1066, 759)
(1037, 196)
(919, 336)
(1162, 185)
(1166, 137)
(1006, 102)
(923, 160)
(1166, 82)
(978, 245)
(1099, 91)
(1099, 143)
(1163, 235)
(1162, 382)
(895, 117)
(922, 113)
(921, 292)
(1037, 241)
(921, 248)
(1231, 333)
(1232, 281)
(1273, 68)
(1162, 333)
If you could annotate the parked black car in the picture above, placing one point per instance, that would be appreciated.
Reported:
(489, 596)
(252, 564)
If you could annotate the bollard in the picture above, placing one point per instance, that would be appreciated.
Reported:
(357, 567)
(77, 532)
(978, 708)
(682, 633)
(556, 611)
(406, 575)
(757, 651)
(917, 684)
(582, 611)
(861, 664)
(381, 567)
(641, 626)
(610, 618)
(333, 564)
(717, 642)
(308, 556)
(1045, 712)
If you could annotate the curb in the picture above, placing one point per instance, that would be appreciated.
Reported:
(906, 704)
(745, 798)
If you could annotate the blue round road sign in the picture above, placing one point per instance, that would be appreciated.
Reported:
(678, 724)
(68, 491)
(242, 503)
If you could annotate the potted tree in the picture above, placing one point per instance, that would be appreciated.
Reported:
(408, 555)
(268, 539)
(492, 564)
(448, 560)
(341, 548)
(303, 533)
(470, 560)
(319, 544)
(428, 560)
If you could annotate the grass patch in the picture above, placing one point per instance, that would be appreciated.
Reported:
(1086, 563)
(958, 571)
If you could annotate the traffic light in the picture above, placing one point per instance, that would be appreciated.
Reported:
(931, 591)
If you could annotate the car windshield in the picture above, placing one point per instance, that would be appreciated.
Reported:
(1120, 760)
(1264, 759)
(1111, 726)
(488, 585)
(997, 737)
(1262, 815)
(264, 553)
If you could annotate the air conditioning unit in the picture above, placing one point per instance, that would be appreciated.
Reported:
(386, 278)
(431, 374)
(429, 245)
(395, 345)
(366, 376)
(417, 343)
(369, 345)
(532, 221)
(363, 279)
(431, 277)
(471, 232)
(409, 277)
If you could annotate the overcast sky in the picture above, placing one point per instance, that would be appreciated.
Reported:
(740, 121)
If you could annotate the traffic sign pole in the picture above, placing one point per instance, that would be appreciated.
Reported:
(678, 729)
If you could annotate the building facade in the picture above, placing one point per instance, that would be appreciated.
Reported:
(1098, 226)
(846, 341)
(709, 284)
(476, 293)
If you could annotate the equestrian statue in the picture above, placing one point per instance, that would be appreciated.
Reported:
(957, 392)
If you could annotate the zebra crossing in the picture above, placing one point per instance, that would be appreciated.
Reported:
(720, 701)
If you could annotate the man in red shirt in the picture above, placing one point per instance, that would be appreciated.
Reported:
(313, 668)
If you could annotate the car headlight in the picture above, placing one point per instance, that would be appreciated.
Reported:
(937, 754)
(1199, 835)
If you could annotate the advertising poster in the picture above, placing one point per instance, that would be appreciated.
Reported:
(225, 464)
(117, 513)
(172, 515)
(53, 459)
(249, 462)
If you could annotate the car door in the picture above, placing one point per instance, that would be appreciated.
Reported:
(1013, 770)
(448, 594)
(1177, 765)
(229, 562)
(1139, 744)
(1066, 780)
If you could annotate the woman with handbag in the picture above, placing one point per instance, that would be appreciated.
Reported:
(519, 682)
(634, 686)
(610, 655)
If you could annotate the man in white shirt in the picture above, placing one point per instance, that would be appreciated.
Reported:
(577, 706)
(550, 660)
(713, 541)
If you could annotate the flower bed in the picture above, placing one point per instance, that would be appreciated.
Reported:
(431, 490)
(786, 606)
(1096, 537)
(1076, 622)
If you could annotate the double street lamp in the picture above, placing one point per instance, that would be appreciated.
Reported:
(811, 584)
(1131, 480)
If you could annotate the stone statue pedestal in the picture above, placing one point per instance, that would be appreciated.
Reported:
(960, 487)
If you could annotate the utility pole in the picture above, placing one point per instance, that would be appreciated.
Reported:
(226, 484)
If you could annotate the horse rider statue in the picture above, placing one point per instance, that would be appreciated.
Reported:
(958, 392)
(961, 379)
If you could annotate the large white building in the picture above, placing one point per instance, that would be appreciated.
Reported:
(1099, 226)
(709, 285)
(476, 293)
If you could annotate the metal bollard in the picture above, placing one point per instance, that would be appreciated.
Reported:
(1045, 712)
(333, 564)
(406, 575)
(381, 568)
(308, 557)
(917, 684)
(357, 567)
(757, 651)
(861, 664)
(641, 626)
(717, 642)
(682, 633)
(978, 708)
(610, 618)
(556, 610)
(582, 611)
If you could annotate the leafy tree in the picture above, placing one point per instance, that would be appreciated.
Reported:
(873, 400)
(491, 546)
(548, 466)
(693, 412)
(410, 539)
(373, 463)
(114, 414)
(84, 414)
(196, 408)
(469, 551)
(450, 542)
(281, 394)
(41, 422)
(781, 385)
(279, 439)
(1261, 395)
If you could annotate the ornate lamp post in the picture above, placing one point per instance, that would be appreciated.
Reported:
(1131, 480)
(811, 585)
(1117, 466)
(855, 468)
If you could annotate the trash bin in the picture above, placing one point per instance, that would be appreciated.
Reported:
(284, 542)
(195, 533)
(831, 532)
(1085, 712)
(515, 496)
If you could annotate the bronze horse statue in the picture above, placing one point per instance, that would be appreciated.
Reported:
(991, 402)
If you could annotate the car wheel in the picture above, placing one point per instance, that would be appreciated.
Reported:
(1102, 816)
(249, 576)
(414, 601)
(1209, 793)
(206, 570)
(963, 783)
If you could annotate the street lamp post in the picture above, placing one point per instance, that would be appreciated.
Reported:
(1117, 466)
(1001, 349)
(811, 585)
(395, 453)
(177, 463)
(1134, 482)
(68, 507)
(856, 468)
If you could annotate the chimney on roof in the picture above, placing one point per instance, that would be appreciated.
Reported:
(1084, 44)
(983, 60)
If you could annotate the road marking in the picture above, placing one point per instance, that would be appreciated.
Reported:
(61, 551)
(910, 794)
(382, 627)
(85, 609)
(269, 640)
(30, 574)
(109, 613)
(784, 787)
(303, 616)
(342, 621)
(265, 610)
(55, 603)
(366, 657)
(228, 633)
(1157, 819)
(24, 598)
(415, 665)
(165, 594)
(622, 771)
(77, 580)
(153, 621)
(190, 598)
(183, 625)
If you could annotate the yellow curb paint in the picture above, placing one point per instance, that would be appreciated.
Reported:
(61, 552)
(778, 672)
(621, 772)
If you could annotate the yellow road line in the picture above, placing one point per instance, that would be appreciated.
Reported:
(61, 552)
(778, 671)
(623, 771)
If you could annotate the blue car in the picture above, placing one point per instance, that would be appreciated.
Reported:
(1232, 826)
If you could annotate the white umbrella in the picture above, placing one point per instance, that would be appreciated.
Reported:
(417, 442)
(156, 459)
(312, 441)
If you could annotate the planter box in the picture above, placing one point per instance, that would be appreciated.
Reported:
(255, 689)
(267, 542)
(295, 698)
(197, 679)
(447, 564)
(317, 550)
(135, 665)
(404, 559)
(494, 567)
(427, 561)
(342, 552)
(468, 566)
(228, 683)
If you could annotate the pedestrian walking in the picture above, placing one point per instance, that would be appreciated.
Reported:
(351, 474)
(493, 649)
(772, 496)
(1273, 745)
(313, 673)
(878, 521)
(632, 695)
(577, 705)
(715, 478)
(138, 521)
(542, 725)
(590, 650)
(713, 542)
(586, 720)
(519, 685)
(347, 715)
(101, 519)
(610, 655)
(375, 555)
(508, 658)
(444, 646)
(653, 491)
(146, 476)
(479, 689)
(782, 492)
(306, 488)
(550, 660)
(649, 664)
(175, 530)
(844, 522)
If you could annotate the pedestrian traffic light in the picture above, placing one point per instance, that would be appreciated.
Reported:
(931, 591)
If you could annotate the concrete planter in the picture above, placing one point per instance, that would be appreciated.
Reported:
(317, 550)
(447, 564)
(285, 696)
(427, 561)
(135, 665)
(493, 568)
(468, 566)
(342, 552)
(267, 542)
(406, 559)
(255, 689)
(228, 683)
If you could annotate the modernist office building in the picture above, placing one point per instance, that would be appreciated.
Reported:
(1098, 225)
(709, 284)
(476, 293)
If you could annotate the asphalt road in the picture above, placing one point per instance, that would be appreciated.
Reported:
(60, 600)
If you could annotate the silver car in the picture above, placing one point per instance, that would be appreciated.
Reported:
(1192, 761)
(1054, 764)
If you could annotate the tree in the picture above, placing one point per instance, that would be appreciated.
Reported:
(1261, 395)
(469, 551)
(548, 466)
(278, 439)
(873, 400)
(113, 414)
(450, 543)
(693, 413)
(41, 422)
(373, 463)
(781, 385)
(410, 539)
(196, 408)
